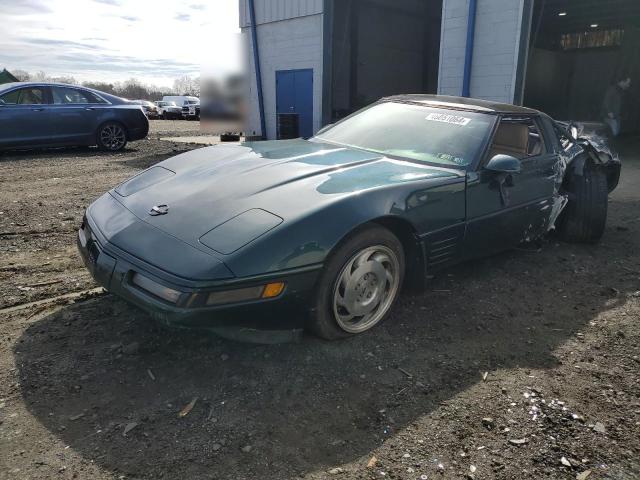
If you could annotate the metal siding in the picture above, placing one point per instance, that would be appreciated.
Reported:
(269, 11)
(495, 57)
(243, 12)
(292, 44)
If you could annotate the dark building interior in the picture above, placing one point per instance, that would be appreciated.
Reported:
(380, 48)
(577, 49)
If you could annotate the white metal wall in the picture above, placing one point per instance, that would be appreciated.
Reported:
(268, 11)
(495, 53)
(287, 44)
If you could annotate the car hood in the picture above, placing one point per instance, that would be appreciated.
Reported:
(205, 188)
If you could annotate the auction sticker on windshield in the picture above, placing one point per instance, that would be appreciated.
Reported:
(447, 118)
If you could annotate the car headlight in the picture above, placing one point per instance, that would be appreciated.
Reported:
(148, 285)
(241, 230)
(143, 180)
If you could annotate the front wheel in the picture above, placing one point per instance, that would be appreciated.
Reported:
(359, 285)
(585, 216)
(111, 137)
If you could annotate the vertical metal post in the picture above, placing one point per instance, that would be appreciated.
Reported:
(468, 54)
(256, 63)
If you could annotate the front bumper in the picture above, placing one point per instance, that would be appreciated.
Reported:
(138, 133)
(114, 270)
(191, 113)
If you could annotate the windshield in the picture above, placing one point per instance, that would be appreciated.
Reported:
(425, 134)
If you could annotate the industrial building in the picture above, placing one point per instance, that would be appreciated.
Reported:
(312, 62)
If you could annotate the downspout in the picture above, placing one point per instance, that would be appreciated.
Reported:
(468, 54)
(256, 62)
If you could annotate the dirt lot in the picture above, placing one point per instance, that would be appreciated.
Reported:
(523, 365)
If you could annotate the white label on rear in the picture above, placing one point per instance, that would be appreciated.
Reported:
(447, 118)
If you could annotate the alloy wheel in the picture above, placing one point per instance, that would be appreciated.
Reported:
(366, 288)
(112, 136)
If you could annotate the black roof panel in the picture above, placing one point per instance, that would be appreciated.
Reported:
(463, 103)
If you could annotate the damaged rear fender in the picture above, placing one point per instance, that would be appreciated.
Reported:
(593, 152)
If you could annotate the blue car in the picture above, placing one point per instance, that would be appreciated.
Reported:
(37, 115)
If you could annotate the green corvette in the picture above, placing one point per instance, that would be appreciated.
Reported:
(324, 233)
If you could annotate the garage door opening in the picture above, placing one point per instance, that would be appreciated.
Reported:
(578, 49)
(381, 48)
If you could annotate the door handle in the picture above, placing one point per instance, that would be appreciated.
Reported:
(91, 109)
(37, 109)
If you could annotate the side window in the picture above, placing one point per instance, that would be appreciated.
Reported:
(65, 96)
(25, 96)
(518, 137)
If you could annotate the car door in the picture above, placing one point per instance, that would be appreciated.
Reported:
(75, 112)
(25, 118)
(504, 210)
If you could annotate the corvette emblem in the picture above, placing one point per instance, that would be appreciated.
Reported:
(159, 210)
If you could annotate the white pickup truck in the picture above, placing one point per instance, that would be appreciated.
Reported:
(189, 106)
(168, 110)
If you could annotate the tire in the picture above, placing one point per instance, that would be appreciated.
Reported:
(380, 255)
(585, 216)
(111, 137)
(229, 137)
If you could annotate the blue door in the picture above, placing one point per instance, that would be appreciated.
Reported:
(294, 103)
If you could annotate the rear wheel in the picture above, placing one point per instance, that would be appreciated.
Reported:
(111, 137)
(585, 216)
(359, 285)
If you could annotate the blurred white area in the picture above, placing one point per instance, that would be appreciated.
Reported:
(223, 91)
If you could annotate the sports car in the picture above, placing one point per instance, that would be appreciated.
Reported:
(324, 233)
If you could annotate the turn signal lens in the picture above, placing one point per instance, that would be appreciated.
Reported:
(234, 296)
(239, 295)
(273, 290)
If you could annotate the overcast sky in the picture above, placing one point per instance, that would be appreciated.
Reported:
(155, 41)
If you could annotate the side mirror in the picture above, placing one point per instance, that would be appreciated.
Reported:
(503, 164)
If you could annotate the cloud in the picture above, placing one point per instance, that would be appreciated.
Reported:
(60, 43)
(23, 7)
(96, 40)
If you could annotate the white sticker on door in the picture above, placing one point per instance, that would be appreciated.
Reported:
(448, 118)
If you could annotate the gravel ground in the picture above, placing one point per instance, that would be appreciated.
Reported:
(522, 365)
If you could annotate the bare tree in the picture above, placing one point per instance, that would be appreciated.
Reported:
(40, 77)
(102, 86)
(133, 88)
(22, 75)
(187, 86)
